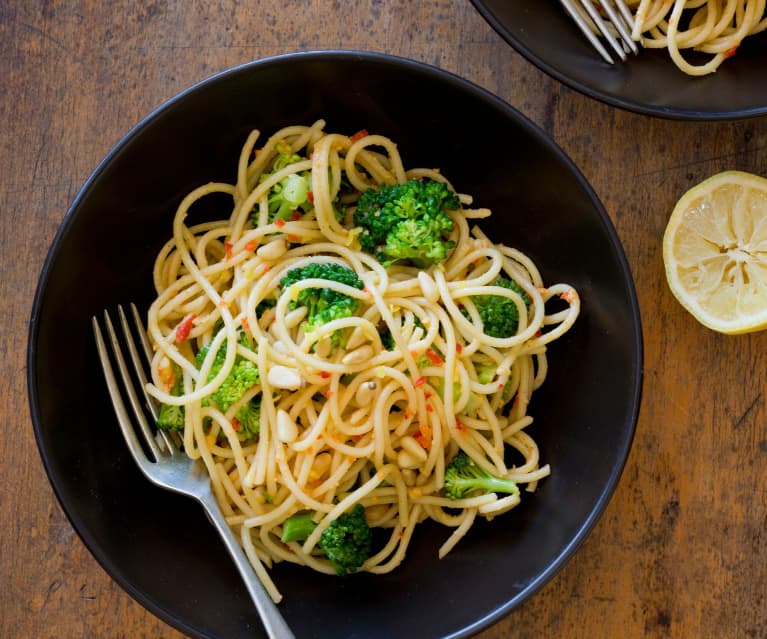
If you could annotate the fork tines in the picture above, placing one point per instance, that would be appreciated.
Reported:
(610, 18)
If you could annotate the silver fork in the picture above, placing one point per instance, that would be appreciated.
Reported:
(168, 466)
(615, 26)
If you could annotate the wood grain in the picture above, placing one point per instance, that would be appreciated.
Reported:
(682, 548)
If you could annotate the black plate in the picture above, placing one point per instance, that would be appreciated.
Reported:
(648, 83)
(159, 546)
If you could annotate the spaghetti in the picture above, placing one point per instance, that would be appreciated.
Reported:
(715, 27)
(344, 418)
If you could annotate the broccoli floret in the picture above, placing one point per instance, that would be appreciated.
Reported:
(464, 476)
(500, 317)
(249, 417)
(298, 527)
(172, 417)
(290, 193)
(348, 541)
(323, 304)
(407, 221)
(243, 376)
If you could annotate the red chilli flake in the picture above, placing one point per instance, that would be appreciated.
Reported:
(434, 357)
(251, 246)
(425, 443)
(293, 238)
(568, 296)
(279, 222)
(730, 52)
(228, 247)
(328, 394)
(429, 408)
(245, 323)
(459, 426)
(310, 196)
(459, 348)
(236, 424)
(296, 216)
(500, 386)
(324, 374)
(184, 328)
(362, 133)
(419, 382)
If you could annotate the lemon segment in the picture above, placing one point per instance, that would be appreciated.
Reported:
(715, 252)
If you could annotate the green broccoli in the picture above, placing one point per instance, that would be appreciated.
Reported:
(298, 527)
(172, 417)
(463, 476)
(407, 221)
(347, 541)
(323, 304)
(243, 376)
(249, 417)
(499, 315)
(292, 192)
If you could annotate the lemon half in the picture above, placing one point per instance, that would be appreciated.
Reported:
(715, 252)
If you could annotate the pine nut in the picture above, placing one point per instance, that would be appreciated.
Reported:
(320, 466)
(284, 377)
(357, 356)
(406, 460)
(287, 431)
(411, 446)
(365, 393)
(322, 348)
(428, 286)
(280, 347)
(273, 250)
(294, 318)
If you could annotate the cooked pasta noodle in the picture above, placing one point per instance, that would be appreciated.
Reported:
(347, 422)
(715, 27)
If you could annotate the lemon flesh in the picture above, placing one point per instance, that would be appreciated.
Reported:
(715, 252)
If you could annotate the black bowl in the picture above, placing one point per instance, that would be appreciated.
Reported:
(159, 546)
(648, 83)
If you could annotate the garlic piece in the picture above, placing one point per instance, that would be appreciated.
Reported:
(285, 377)
(273, 250)
(365, 393)
(287, 430)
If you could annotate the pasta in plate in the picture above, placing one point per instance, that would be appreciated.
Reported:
(313, 377)
(715, 27)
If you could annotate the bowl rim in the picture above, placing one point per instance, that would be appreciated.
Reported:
(635, 106)
(345, 55)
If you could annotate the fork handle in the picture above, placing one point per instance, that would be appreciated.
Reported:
(274, 623)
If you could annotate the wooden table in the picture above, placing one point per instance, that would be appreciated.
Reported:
(682, 548)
